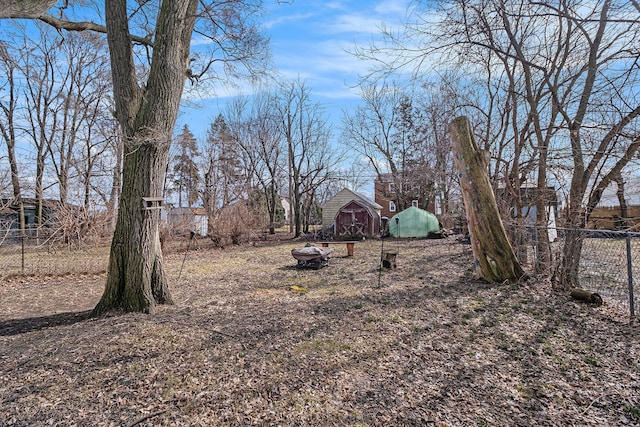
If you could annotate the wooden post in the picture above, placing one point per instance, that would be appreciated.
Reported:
(494, 256)
(350, 247)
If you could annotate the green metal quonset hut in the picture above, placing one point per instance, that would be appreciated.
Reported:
(413, 222)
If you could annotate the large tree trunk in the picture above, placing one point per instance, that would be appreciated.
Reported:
(566, 276)
(24, 8)
(494, 256)
(136, 280)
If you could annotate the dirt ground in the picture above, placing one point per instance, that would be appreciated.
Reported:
(253, 340)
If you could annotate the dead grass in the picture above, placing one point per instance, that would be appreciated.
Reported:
(46, 260)
(253, 340)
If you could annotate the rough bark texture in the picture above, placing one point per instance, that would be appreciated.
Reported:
(136, 280)
(622, 201)
(147, 115)
(566, 276)
(24, 8)
(494, 256)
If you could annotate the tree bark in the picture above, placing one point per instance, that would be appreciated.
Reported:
(543, 264)
(147, 114)
(566, 276)
(494, 256)
(24, 8)
(622, 201)
(136, 280)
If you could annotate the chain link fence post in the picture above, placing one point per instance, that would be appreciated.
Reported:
(630, 275)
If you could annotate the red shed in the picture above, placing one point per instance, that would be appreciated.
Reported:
(356, 219)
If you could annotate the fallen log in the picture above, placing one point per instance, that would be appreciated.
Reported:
(585, 295)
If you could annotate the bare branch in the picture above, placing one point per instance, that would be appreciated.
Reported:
(61, 24)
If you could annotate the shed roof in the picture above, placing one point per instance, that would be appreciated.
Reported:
(349, 195)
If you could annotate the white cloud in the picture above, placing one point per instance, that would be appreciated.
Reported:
(311, 40)
(391, 7)
(285, 19)
(352, 24)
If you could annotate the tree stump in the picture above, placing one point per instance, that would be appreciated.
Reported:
(495, 259)
(389, 259)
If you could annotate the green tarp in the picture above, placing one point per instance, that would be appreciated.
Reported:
(413, 222)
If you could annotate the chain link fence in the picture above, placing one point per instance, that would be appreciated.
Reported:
(38, 254)
(609, 261)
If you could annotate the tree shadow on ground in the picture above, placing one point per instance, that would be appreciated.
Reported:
(31, 324)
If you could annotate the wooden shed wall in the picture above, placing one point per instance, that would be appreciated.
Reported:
(608, 218)
(331, 207)
(355, 219)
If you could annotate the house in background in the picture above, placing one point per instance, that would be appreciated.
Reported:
(185, 220)
(387, 195)
(528, 198)
(10, 217)
(384, 191)
(332, 206)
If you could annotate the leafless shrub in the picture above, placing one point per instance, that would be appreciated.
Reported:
(76, 227)
(234, 224)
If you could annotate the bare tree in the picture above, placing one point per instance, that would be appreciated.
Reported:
(148, 114)
(306, 135)
(566, 77)
(368, 129)
(389, 130)
(224, 180)
(42, 93)
(99, 164)
(437, 106)
(8, 126)
(146, 108)
(572, 89)
(255, 128)
(82, 103)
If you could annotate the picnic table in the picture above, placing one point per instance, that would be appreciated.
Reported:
(350, 245)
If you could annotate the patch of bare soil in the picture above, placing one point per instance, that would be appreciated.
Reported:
(253, 340)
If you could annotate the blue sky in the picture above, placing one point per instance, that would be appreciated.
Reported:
(310, 39)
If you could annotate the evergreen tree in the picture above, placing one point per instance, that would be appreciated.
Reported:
(185, 175)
